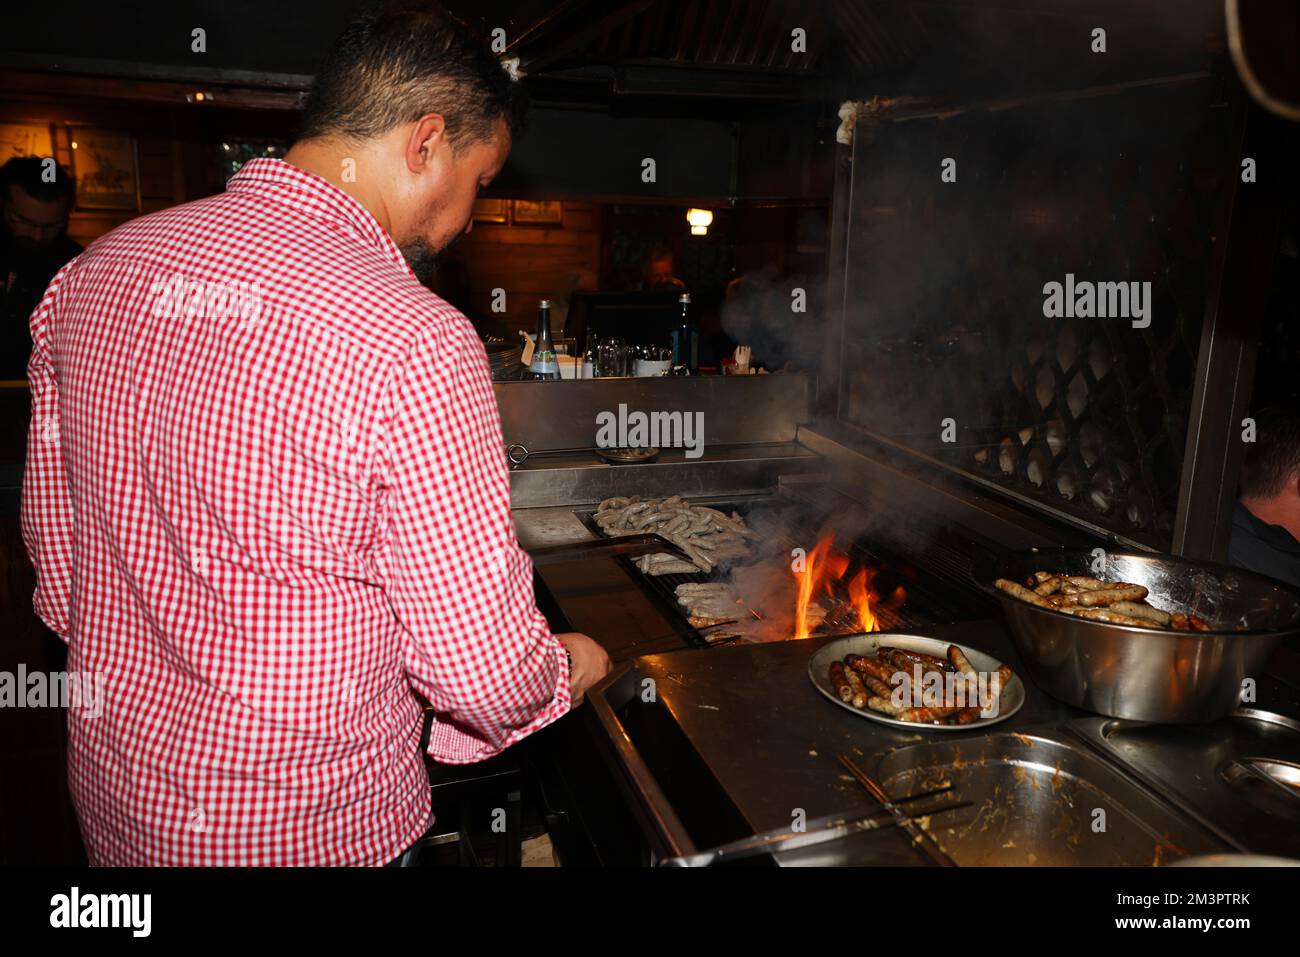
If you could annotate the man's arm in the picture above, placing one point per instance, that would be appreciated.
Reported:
(476, 646)
(46, 503)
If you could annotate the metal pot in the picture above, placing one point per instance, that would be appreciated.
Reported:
(1168, 677)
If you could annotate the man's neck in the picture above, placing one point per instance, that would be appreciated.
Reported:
(329, 159)
(1282, 510)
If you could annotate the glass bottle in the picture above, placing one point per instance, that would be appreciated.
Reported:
(686, 338)
(544, 365)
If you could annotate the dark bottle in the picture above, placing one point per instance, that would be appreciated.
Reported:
(686, 338)
(544, 364)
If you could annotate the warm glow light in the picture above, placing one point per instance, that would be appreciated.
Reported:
(699, 217)
(74, 144)
(699, 230)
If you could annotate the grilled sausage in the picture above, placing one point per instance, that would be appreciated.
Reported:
(926, 715)
(876, 686)
(1136, 610)
(839, 682)
(1108, 596)
(1021, 592)
(1108, 616)
(1086, 583)
(884, 706)
(960, 662)
(877, 669)
(1049, 586)
(858, 697)
(903, 658)
(1005, 674)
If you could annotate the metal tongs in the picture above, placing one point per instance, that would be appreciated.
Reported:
(629, 545)
(822, 830)
(518, 454)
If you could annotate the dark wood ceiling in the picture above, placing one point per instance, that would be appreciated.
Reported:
(600, 52)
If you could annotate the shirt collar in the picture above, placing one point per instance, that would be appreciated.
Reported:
(1274, 535)
(286, 183)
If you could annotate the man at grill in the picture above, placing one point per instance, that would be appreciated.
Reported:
(1266, 525)
(265, 493)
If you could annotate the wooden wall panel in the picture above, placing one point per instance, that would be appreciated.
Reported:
(530, 262)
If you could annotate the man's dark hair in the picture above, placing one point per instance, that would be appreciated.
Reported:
(1273, 459)
(395, 63)
(28, 174)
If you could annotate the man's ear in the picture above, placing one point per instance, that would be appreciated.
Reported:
(427, 136)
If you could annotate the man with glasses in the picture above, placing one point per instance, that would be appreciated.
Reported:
(36, 197)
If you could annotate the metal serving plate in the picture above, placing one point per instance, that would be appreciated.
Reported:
(819, 665)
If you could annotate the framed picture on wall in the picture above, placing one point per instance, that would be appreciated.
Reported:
(106, 167)
(491, 211)
(24, 139)
(529, 212)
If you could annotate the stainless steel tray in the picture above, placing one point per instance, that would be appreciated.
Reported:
(1240, 776)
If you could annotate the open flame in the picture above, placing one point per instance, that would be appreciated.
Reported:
(860, 595)
(813, 571)
(822, 568)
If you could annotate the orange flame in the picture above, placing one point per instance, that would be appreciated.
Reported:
(860, 594)
(808, 579)
(823, 567)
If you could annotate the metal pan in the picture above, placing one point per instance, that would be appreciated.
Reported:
(628, 456)
(819, 666)
(1143, 674)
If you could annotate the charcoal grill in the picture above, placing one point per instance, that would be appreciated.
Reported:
(938, 592)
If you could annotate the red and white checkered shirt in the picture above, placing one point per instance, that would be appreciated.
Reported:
(266, 497)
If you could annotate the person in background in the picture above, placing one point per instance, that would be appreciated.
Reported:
(36, 197)
(657, 272)
(1266, 524)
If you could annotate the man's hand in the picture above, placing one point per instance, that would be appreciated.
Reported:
(590, 664)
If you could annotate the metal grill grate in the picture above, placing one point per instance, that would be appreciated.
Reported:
(937, 584)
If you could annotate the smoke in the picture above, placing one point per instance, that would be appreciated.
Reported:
(782, 318)
(788, 528)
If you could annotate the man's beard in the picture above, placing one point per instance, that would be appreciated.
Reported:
(422, 258)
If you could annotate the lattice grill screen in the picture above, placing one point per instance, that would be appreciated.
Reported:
(945, 287)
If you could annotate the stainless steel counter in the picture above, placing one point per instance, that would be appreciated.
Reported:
(752, 719)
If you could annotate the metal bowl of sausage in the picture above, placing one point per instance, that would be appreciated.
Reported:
(1118, 664)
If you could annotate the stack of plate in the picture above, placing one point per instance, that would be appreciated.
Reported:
(504, 357)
